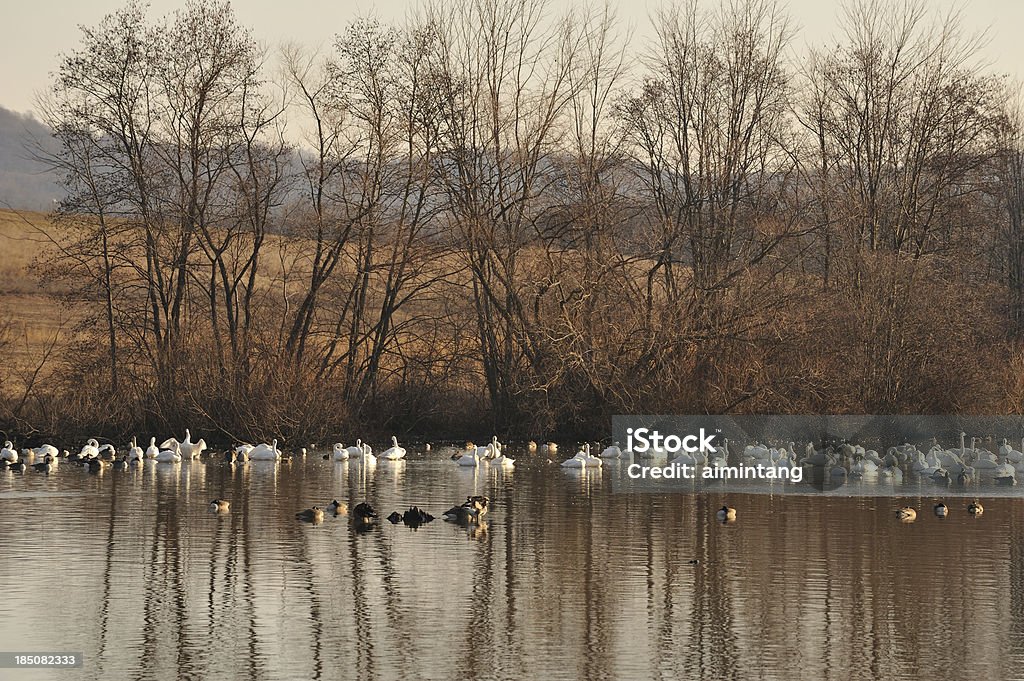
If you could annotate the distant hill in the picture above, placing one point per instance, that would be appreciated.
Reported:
(24, 184)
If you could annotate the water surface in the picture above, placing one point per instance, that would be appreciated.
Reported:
(567, 580)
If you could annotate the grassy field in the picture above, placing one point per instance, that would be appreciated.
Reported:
(33, 317)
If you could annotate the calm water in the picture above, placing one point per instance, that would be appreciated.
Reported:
(567, 580)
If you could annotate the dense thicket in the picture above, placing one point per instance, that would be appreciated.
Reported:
(492, 217)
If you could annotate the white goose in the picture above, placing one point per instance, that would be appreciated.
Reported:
(192, 450)
(42, 451)
(394, 452)
(265, 452)
(90, 449)
(578, 461)
(135, 452)
(8, 453)
(356, 450)
(502, 460)
(341, 452)
(152, 450)
(170, 455)
(368, 459)
(470, 458)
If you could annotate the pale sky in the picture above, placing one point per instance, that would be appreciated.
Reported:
(34, 32)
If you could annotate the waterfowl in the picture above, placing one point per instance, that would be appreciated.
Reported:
(551, 448)
(17, 467)
(907, 514)
(311, 515)
(4, 465)
(941, 510)
(265, 452)
(192, 450)
(337, 508)
(7, 453)
(46, 466)
(220, 505)
(170, 455)
(94, 465)
(230, 456)
(394, 452)
(415, 517)
(341, 452)
(578, 461)
(367, 458)
(469, 458)
(531, 447)
(975, 508)
(363, 513)
(243, 449)
(107, 451)
(504, 461)
(1006, 480)
(726, 514)
(611, 452)
(941, 477)
(121, 464)
(90, 449)
(152, 450)
(42, 450)
(135, 451)
(471, 511)
(394, 518)
(964, 477)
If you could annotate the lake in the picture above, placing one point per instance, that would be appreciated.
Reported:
(567, 579)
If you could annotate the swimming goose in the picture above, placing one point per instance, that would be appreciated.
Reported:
(592, 461)
(363, 513)
(531, 447)
(135, 451)
(16, 466)
(416, 516)
(469, 458)
(906, 514)
(265, 452)
(169, 455)
(611, 452)
(120, 464)
(394, 452)
(41, 451)
(311, 515)
(474, 508)
(341, 452)
(337, 508)
(501, 459)
(578, 461)
(726, 514)
(353, 451)
(975, 508)
(941, 510)
(551, 448)
(90, 449)
(220, 506)
(46, 466)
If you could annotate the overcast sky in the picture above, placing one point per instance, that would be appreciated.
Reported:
(34, 32)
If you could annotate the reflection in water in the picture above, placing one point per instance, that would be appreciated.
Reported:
(564, 579)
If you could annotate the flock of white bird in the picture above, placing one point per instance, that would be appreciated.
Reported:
(959, 465)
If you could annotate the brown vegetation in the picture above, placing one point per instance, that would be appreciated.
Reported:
(490, 225)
